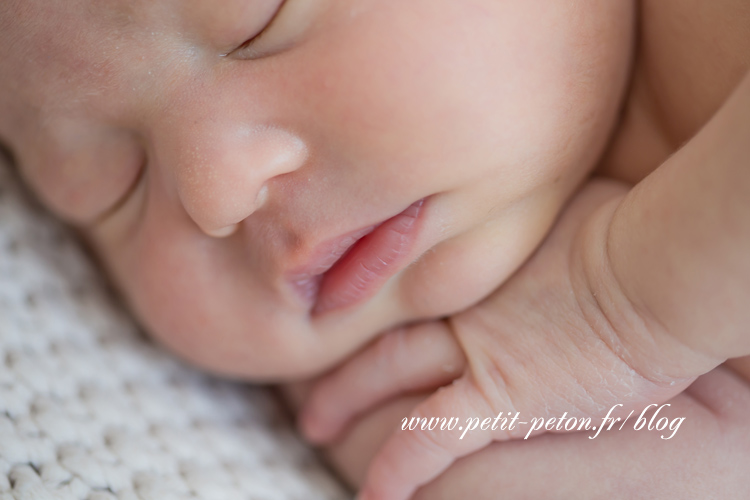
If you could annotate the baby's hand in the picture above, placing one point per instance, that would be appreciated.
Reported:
(556, 338)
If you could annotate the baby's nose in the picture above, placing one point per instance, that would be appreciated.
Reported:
(224, 177)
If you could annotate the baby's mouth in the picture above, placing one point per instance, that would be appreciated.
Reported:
(306, 281)
(354, 266)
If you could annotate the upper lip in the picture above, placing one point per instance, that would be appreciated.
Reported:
(305, 279)
(326, 254)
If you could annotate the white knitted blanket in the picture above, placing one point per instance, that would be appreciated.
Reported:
(91, 410)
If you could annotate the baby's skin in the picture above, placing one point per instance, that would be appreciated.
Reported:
(633, 295)
(222, 158)
(218, 180)
(706, 459)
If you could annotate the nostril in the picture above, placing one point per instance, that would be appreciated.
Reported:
(223, 232)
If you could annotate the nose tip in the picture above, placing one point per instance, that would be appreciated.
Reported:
(227, 180)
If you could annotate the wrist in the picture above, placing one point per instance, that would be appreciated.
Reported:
(619, 317)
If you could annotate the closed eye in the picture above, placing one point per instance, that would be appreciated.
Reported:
(248, 48)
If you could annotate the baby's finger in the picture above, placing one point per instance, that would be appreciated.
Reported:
(408, 359)
(413, 457)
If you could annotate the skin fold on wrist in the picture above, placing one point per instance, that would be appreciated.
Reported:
(624, 323)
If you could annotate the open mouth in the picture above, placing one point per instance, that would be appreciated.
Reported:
(355, 266)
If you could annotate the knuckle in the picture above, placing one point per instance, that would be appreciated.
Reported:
(487, 366)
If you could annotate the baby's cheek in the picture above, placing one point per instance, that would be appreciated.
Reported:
(191, 299)
(466, 268)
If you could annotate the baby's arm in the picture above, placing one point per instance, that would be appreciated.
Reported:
(678, 246)
(627, 302)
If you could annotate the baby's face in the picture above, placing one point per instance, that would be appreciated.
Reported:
(272, 183)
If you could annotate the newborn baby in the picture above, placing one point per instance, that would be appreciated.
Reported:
(272, 184)
(631, 297)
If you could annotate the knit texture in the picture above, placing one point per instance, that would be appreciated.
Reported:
(91, 410)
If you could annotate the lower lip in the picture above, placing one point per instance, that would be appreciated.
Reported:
(367, 265)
